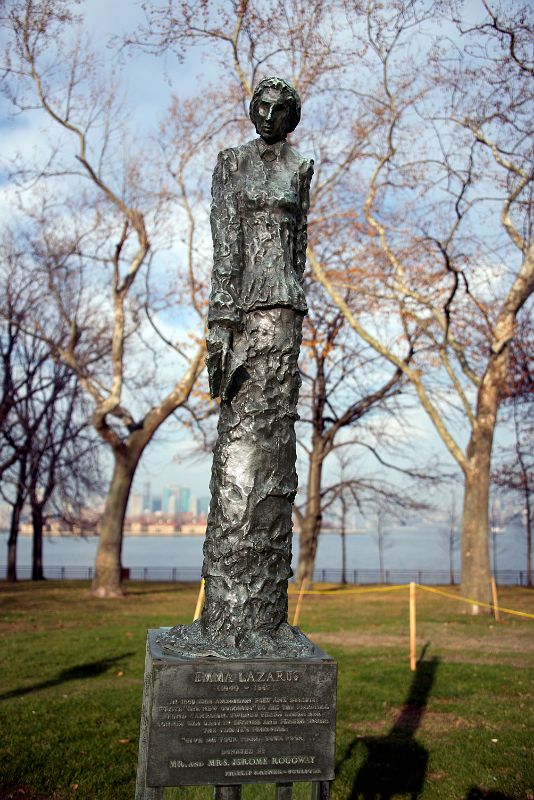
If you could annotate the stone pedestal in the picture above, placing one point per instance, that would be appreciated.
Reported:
(226, 722)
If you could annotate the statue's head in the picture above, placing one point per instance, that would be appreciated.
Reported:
(274, 109)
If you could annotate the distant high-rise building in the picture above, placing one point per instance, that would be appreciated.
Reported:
(193, 505)
(166, 499)
(203, 505)
(184, 496)
(174, 504)
(136, 505)
(156, 504)
(146, 496)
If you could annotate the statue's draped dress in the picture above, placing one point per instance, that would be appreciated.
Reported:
(260, 201)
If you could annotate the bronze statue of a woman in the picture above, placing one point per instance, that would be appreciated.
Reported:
(257, 303)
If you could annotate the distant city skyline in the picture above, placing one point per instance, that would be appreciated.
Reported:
(171, 500)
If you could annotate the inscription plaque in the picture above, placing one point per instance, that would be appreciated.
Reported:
(220, 721)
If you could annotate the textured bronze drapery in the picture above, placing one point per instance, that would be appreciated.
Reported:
(247, 553)
(259, 215)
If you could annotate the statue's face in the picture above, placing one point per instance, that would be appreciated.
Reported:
(271, 115)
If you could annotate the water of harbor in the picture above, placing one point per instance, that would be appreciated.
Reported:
(414, 548)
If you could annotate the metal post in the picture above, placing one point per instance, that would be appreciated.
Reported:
(495, 599)
(142, 791)
(320, 790)
(200, 601)
(413, 657)
(152, 793)
(227, 792)
(284, 791)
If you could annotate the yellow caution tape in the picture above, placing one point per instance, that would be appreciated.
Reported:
(365, 590)
(474, 602)
(339, 592)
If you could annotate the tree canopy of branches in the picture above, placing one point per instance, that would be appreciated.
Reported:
(514, 470)
(91, 223)
(49, 459)
(419, 117)
(346, 402)
(447, 245)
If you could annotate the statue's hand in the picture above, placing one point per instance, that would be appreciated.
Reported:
(219, 336)
(219, 343)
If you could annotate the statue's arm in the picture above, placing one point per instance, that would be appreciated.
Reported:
(301, 237)
(224, 312)
(226, 235)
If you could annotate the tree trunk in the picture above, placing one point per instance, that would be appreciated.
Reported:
(37, 544)
(107, 581)
(343, 540)
(311, 525)
(452, 541)
(12, 543)
(494, 550)
(16, 512)
(529, 537)
(380, 542)
(475, 539)
(451, 561)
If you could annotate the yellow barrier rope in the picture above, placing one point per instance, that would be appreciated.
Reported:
(366, 590)
(334, 592)
(343, 592)
(474, 602)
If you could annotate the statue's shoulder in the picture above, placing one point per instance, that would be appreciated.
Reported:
(304, 165)
(227, 160)
(230, 159)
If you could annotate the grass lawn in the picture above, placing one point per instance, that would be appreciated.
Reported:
(461, 726)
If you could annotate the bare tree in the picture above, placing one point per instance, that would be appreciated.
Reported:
(514, 470)
(421, 198)
(381, 543)
(91, 248)
(343, 533)
(46, 429)
(453, 282)
(346, 401)
(451, 539)
(15, 498)
(63, 469)
(298, 40)
(15, 305)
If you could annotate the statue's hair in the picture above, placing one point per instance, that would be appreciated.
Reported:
(288, 92)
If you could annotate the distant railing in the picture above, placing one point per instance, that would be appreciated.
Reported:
(430, 577)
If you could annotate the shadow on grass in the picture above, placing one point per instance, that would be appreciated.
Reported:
(396, 763)
(23, 793)
(476, 793)
(173, 588)
(89, 670)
